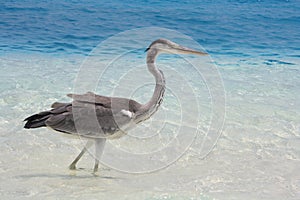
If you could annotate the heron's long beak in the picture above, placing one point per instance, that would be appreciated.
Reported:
(184, 50)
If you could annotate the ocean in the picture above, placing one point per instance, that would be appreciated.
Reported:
(229, 125)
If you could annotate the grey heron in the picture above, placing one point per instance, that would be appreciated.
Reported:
(114, 115)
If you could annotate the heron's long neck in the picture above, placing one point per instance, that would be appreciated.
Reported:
(152, 105)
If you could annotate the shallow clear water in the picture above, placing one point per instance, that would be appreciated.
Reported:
(255, 46)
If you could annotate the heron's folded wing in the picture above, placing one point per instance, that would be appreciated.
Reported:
(91, 97)
(89, 120)
(117, 104)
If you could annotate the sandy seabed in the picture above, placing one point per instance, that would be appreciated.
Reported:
(257, 156)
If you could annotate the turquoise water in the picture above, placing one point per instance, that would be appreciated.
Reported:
(254, 46)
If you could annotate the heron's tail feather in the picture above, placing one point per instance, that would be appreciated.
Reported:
(37, 120)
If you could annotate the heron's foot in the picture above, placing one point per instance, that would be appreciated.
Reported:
(72, 167)
(96, 172)
(96, 166)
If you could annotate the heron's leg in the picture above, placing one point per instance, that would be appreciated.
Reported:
(73, 164)
(99, 147)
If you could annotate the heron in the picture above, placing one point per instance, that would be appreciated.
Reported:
(115, 116)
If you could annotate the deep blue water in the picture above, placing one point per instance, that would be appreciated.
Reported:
(230, 27)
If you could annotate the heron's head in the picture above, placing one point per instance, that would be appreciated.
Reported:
(167, 46)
